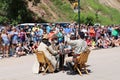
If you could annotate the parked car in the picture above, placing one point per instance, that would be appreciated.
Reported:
(26, 24)
(97, 25)
(44, 25)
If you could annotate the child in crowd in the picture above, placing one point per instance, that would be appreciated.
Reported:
(20, 50)
(88, 40)
(100, 43)
(91, 43)
(27, 48)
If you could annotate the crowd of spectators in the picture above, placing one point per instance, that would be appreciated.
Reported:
(17, 41)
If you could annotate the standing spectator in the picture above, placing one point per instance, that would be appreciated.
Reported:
(0, 42)
(98, 33)
(67, 30)
(60, 36)
(84, 30)
(22, 35)
(48, 29)
(45, 35)
(14, 40)
(51, 35)
(36, 36)
(57, 27)
(115, 33)
(5, 43)
(28, 30)
(35, 27)
(41, 33)
(92, 32)
(109, 30)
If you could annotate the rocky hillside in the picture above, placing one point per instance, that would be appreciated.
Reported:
(52, 10)
(112, 3)
(103, 11)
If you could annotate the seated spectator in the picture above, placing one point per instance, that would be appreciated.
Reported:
(93, 44)
(103, 43)
(114, 42)
(88, 40)
(20, 50)
(99, 43)
(108, 42)
(119, 41)
(27, 48)
(35, 46)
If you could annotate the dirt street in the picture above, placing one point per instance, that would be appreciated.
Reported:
(104, 65)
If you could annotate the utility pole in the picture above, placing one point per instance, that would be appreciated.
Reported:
(79, 14)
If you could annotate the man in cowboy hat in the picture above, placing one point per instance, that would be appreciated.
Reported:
(50, 56)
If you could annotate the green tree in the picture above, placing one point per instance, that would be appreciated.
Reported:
(89, 20)
(16, 11)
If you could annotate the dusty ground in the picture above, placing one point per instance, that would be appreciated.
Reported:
(112, 3)
(104, 65)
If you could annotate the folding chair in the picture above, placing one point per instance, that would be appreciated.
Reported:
(80, 62)
(44, 62)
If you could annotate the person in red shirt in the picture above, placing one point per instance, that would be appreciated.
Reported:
(51, 35)
(92, 32)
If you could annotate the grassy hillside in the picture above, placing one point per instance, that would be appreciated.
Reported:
(63, 10)
(106, 15)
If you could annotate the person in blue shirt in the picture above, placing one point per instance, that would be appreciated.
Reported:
(67, 30)
(40, 32)
(48, 29)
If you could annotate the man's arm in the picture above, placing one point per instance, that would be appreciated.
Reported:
(70, 42)
(50, 49)
(84, 46)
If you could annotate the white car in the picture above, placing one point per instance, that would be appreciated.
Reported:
(26, 24)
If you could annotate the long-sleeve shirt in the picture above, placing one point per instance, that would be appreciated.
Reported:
(79, 45)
